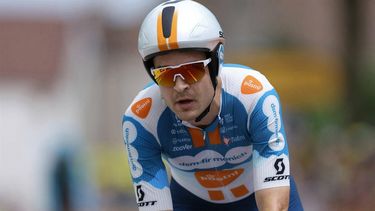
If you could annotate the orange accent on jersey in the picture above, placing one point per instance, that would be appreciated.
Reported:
(215, 136)
(142, 107)
(216, 195)
(162, 42)
(239, 191)
(215, 179)
(197, 137)
(250, 85)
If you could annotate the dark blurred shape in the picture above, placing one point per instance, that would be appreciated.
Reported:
(351, 56)
(61, 178)
(359, 97)
(71, 181)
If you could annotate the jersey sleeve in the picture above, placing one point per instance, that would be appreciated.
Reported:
(270, 149)
(148, 172)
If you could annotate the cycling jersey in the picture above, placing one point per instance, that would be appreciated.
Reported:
(243, 150)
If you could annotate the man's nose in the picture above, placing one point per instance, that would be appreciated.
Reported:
(180, 85)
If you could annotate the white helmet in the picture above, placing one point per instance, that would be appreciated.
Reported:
(181, 24)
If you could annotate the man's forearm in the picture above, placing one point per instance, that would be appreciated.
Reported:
(273, 199)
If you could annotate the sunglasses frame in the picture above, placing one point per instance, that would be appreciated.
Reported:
(160, 70)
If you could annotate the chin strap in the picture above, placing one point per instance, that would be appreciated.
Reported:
(213, 67)
(205, 112)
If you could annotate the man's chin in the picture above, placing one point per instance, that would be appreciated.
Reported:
(187, 116)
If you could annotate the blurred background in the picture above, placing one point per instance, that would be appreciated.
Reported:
(70, 68)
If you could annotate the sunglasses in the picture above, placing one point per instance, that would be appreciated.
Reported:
(190, 72)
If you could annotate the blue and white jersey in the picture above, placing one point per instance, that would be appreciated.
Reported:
(242, 151)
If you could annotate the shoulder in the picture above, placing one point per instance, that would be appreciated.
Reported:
(245, 84)
(242, 80)
(147, 106)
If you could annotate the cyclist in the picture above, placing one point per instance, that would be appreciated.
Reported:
(218, 127)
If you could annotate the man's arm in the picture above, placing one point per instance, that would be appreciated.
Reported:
(271, 199)
(270, 154)
(150, 179)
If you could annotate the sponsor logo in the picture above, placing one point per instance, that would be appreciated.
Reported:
(142, 107)
(130, 134)
(180, 140)
(280, 168)
(221, 34)
(224, 129)
(182, 148)
(228, 118)
(126, 134)
(230, 140)
(178, 122)
(215, 179)
(275, 178)
(147, 203)
(271, 108)
(178, 131)
(141, 196)
(250, 85)
(140, 193)
(226, 141)
(211, 159)
(218, 159)
(276, 117)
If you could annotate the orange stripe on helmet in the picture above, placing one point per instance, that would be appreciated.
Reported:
(173, 44)
(162, 42)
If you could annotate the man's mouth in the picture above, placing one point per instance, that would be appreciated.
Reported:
(185, 101)
(185, 104)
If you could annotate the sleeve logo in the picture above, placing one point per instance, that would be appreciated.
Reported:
(130, 135)
(140, 193)
(279, 166)
(142, 107)
(140, 197)
(251, 85)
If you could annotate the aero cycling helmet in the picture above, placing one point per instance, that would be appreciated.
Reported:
(182, 24)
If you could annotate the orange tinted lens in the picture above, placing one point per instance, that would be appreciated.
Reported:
(191, 73)
(166, 78)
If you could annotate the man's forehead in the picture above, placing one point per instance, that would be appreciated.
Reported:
(178, 57)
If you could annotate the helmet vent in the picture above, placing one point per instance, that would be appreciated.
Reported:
(167, 18)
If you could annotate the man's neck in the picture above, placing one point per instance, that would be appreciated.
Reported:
(214, 109)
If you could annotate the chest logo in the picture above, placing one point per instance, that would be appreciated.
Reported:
(215, 179)
(250, 85)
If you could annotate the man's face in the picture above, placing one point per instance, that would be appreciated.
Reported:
(186, 100)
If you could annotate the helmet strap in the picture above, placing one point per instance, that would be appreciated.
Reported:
(214, 67)
(205, 112)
